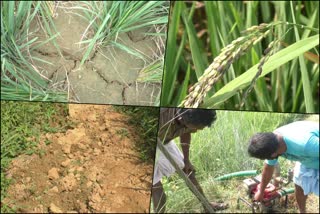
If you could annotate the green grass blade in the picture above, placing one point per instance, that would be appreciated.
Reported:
(170, 73)
(304, 73)
(197, 56)
(95, 38)
(127, 49)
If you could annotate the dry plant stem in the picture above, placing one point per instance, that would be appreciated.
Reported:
(221, 63)
(269, 51)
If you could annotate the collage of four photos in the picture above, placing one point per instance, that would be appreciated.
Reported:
(160, 106)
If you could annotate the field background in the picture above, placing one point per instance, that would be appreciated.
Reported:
(222, 149)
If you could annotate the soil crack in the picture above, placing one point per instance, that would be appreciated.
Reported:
(49, 54)
(109, 81)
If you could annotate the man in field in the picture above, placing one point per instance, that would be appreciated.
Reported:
(298, 141)
(181, 123)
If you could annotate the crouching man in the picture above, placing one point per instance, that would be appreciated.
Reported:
(298, 141)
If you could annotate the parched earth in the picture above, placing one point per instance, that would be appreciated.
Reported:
(91, 168)
(109, 76)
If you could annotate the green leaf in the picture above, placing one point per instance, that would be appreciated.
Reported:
(184, 89)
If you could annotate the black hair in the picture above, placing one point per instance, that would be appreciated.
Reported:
(263, 145)
(202, 117)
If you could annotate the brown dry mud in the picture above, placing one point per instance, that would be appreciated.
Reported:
(110, 74)
(91, 168)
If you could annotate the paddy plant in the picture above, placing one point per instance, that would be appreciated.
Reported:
(235, 55)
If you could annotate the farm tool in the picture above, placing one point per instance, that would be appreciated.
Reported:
(273, 193)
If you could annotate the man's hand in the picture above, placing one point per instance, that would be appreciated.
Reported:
(258, 196)
(188, 167)
(267, 173)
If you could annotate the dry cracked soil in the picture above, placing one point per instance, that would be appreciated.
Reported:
(91, 168)
(108, 77)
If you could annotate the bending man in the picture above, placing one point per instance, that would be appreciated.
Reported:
(181, 123)
(298, 141)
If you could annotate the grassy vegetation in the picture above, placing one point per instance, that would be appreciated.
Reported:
(145, 120)
(288, 79)
(222, 149)
(20, 80)
(21, 126)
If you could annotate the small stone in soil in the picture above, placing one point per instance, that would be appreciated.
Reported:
(54, 209)
(81, 146)
(39, 209)
(96, 197)
(89, 183)
(53, 173)
(96, 151)
(66, 163)
(28, 179)
(54, 189)
(66, 148)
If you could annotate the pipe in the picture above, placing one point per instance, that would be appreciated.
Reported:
(284, 192)
(237, 174)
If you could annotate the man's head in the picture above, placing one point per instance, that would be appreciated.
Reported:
(264, 146)
(197, 119)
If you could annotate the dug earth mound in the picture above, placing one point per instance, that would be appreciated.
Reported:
(109, 76)
(91, 168)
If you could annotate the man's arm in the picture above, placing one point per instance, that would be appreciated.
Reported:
(185, 140)
(267, 173)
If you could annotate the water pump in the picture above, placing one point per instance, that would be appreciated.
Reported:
(272, 194)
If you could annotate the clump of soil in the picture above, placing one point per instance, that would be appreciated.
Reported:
(110, 74)
(91, 168)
